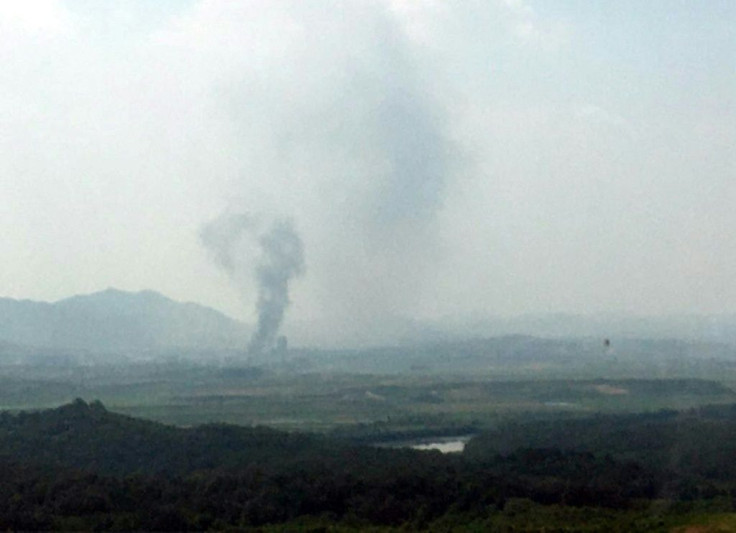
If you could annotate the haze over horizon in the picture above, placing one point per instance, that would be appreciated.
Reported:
(436, 159)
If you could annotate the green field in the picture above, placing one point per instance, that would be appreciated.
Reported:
(189, 395)
(563, 439)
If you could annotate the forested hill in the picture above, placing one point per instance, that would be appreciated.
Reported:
(698, 444)
(89, 437)
(114, 320)
(80, 467)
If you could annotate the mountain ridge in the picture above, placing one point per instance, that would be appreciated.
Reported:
(113, 320)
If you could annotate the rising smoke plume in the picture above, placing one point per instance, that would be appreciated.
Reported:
(271, 256)
(345, 130)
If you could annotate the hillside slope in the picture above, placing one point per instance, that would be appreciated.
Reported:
(80, 467)
(116, 321)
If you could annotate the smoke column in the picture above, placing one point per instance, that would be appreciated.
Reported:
(346, 129)
(273, 257)
(282, 259)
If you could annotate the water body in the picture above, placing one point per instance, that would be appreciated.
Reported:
(453, 444)
(449, 446)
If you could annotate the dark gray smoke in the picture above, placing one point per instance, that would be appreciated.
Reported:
(351, 133)
(282, 259)
(227, 237)
(272, 257)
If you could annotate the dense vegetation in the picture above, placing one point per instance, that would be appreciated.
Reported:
(83, 467)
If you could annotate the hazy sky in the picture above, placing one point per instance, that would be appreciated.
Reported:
(437, 158)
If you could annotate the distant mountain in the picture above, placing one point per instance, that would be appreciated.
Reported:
(397, 330)
(699, 328)
(117, 321)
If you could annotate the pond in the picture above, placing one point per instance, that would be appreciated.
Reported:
(451, 444)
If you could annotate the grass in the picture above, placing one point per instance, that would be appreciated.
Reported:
(189, 395)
